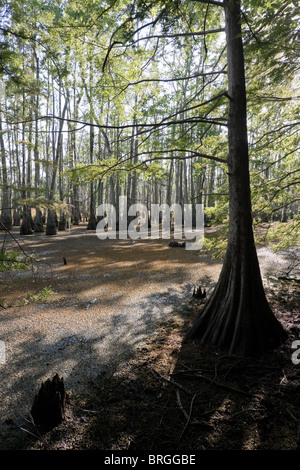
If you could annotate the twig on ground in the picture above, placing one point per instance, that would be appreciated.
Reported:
(291, 414)
(172, 382)
(219, 384)
(180, 405)
(189, 416)
(230, 368)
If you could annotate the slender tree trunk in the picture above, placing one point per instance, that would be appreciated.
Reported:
(169, 184)
(62, 218)
(237, 316)
(6, 218)
(193, 197)
(38, 221)
(131, 179)
(26, 227)
(211, 185)
(92, 223)
(52, 216)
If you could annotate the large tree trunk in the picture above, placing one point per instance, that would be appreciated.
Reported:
(237, 316)
(51, 222)
(26, 225)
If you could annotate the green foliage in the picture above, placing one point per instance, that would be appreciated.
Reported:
(40, 297)
(284, 235)
(217, 214)
(11, 261)
(216, 241)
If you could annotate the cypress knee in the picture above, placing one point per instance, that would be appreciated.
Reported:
(49, 405)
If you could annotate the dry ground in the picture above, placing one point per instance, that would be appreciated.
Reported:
(113, 329)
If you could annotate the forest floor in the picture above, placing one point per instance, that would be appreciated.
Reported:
(111, 322)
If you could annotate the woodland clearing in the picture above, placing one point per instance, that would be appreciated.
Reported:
(112, 327)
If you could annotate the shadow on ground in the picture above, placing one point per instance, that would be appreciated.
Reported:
(162, 395)
(187, 397)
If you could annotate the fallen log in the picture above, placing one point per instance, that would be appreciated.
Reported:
(174, 244)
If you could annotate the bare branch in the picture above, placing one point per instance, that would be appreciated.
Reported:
(167, 80)
(176, 35)
(192, 154)
(210, 2)
(275, 131)
(217, 121)
(117, 166)
(108, 52)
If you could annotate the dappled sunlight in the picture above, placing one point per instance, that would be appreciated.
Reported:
(106, 306)
(104, 303)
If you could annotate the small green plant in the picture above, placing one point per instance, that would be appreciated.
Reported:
(42, 296)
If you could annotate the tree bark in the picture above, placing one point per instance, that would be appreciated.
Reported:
(237, 317)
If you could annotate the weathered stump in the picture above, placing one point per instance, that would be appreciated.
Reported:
(49, 405)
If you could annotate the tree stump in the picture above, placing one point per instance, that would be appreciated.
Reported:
(49, 405)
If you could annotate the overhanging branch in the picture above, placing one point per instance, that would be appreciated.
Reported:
(210, 2)
(154, 125)
(177, 35)
(192, 154)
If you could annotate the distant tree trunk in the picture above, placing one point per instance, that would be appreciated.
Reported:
(62, 215)
(211, 185)
(16, 218)
(170, 184)
(92, 223)
(193, 196)
(132, 176)
(38, 221)
(52, 217)
(237, 316)
(26, 226)
(75, 199)
(51, 222)
(62, 221)
(6, 218)
(284, 215)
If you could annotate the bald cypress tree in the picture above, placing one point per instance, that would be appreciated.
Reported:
(237, 316)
